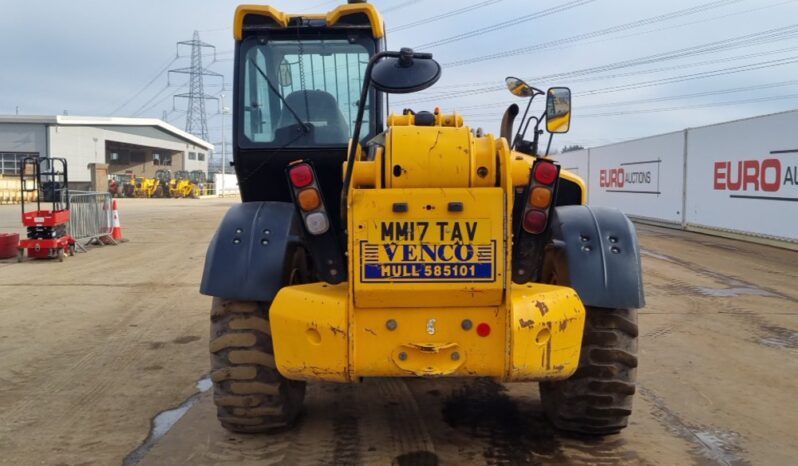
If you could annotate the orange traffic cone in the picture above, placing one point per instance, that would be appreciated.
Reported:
(116, 231)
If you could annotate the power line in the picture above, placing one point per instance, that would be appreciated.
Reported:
(146, 86)
(400, 6)
(759, 38)
(694, 95)
(485, 117)
(505, 24)
(320, 4)
(594, 34)
(146, 109)
(690, 77)
(692, 107)
(445, 15)
(693, 76)
(649, 71)
(158, 94)
(757, 87)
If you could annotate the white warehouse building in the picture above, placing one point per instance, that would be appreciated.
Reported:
(137, 146)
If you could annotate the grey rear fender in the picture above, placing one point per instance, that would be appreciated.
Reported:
(246, 257)
(597, 249)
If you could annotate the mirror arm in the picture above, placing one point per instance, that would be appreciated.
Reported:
(548, 147)
(361, 108)
(551, 136)
(538, 132)
(537, 123)
(521, 133)
(406, 57)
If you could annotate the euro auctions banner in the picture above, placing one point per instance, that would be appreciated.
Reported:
(643, 178)
(743, 176)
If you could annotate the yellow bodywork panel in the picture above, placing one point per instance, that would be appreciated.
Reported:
(428, 255)
(421, 156)
(439, 156)
(320, 335)
(334, 18)
(310, 332)
(546, 323)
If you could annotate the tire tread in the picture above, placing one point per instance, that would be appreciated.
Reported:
(597, 399)
(250, 394)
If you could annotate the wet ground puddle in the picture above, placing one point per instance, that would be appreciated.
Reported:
(164, 421)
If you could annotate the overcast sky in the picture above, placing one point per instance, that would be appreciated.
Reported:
(734, 58)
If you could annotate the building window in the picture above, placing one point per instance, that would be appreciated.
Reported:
(201, 156)
(156, 159)
(167, 160)
(10, 162)
(192, 156)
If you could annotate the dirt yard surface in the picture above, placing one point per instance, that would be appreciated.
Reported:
(103, 361)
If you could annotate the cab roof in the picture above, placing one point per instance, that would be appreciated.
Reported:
(355, 15)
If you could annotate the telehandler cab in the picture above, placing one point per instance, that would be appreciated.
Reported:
(408, 246)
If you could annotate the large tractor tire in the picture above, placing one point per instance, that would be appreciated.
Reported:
(597, 399)
(251, 396)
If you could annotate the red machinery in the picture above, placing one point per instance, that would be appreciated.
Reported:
(47, 229)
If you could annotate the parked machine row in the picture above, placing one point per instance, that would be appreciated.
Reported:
(183, 184)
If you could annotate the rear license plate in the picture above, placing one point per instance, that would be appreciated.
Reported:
(429, 251)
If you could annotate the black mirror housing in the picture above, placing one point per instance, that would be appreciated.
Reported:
(405, 73)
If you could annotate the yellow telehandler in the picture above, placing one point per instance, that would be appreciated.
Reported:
(199, 181)
(181, 185)
(375, 244)
(158, 186)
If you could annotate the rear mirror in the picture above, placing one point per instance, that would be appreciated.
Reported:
(558, 110)
(286, 79)
(405, 74)
(519, 88)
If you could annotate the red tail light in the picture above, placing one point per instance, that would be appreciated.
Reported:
(545, 173)
(535, 221)
(301, 175)
(483, 329)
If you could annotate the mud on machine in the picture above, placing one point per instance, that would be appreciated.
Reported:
(405, 245)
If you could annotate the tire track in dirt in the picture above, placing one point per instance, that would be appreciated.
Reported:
(709, 443)
(68, 382)
(412, 442)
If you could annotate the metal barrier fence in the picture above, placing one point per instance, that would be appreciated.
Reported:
(90, 218)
